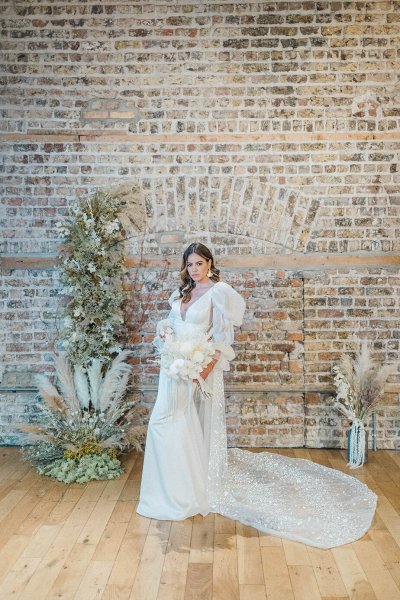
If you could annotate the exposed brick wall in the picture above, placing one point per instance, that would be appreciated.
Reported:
(202, 67)
(264, 129)
(274, 204)
(342, 308)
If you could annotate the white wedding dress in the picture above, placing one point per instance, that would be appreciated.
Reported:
(189, 470)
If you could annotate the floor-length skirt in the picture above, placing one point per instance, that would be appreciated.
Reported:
(175, 463)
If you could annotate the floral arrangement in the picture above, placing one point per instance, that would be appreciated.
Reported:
(359, 384)
(184, 354)
(83, 420)
(93, 272)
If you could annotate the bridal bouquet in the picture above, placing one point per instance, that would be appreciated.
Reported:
(184, 354)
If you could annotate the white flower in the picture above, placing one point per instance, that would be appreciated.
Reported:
(62, 230)
(177, 366)
(111, 227)
(185, 354)
(198, 356)
(91, 267)
(88, 222)
(74, 263)
(186, 348)
(77, 312)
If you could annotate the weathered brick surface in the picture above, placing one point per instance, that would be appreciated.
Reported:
(15, 409)
(260, 128)
(343, 307)
(265, 419)
(296, 325)
(202, 67)
(29, 317)
(344, 201)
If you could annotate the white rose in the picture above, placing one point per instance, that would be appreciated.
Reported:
(185, 347)
(198, 356)
(177, 365)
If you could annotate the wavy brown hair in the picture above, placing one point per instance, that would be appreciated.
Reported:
(187, 283)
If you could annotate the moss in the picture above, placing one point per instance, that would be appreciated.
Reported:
(88, 468)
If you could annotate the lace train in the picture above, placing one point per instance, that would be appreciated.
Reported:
(296, 499)
(288, 497)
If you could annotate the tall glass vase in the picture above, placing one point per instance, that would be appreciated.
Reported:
(357, 445)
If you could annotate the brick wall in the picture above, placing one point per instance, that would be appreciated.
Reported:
(269, 130)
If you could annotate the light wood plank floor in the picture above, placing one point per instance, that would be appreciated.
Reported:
(83, 542)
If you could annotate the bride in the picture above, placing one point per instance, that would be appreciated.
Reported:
(187, 467)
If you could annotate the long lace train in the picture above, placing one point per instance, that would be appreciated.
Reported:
(296, 499)
(288, 497)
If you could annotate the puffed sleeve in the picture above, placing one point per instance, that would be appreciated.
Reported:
(228, 309)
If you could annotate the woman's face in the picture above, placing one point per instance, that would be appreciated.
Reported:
(197, 267)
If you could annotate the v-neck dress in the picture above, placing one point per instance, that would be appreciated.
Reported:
(188, 468)
(175, 465)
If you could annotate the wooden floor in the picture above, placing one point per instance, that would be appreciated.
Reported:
(86, 541)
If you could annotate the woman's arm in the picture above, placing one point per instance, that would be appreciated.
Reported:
(205, 372)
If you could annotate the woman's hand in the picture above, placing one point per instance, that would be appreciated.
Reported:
(207, 370)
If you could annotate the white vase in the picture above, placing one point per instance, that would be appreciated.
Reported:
(357, 445)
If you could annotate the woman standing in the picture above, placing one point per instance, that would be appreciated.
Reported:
(187, 467)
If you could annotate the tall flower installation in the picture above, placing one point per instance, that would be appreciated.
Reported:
(359, 384)
(93, 272)
(84, 419)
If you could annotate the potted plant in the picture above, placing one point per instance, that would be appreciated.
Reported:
(359, 384)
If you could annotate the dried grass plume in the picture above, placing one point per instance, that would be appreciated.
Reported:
(132, 214)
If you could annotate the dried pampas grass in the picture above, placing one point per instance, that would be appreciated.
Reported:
(359, 384)
(50, 394)
(66, 383)
(113, 388)
(85, 409)
(132, 213)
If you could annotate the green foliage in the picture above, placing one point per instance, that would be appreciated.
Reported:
(42, 453)
(87, 468)
(93, 273)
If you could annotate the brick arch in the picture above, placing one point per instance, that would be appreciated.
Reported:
(277, 219)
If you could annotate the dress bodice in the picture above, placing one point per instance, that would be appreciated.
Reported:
(218, 310)
(198, 313)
